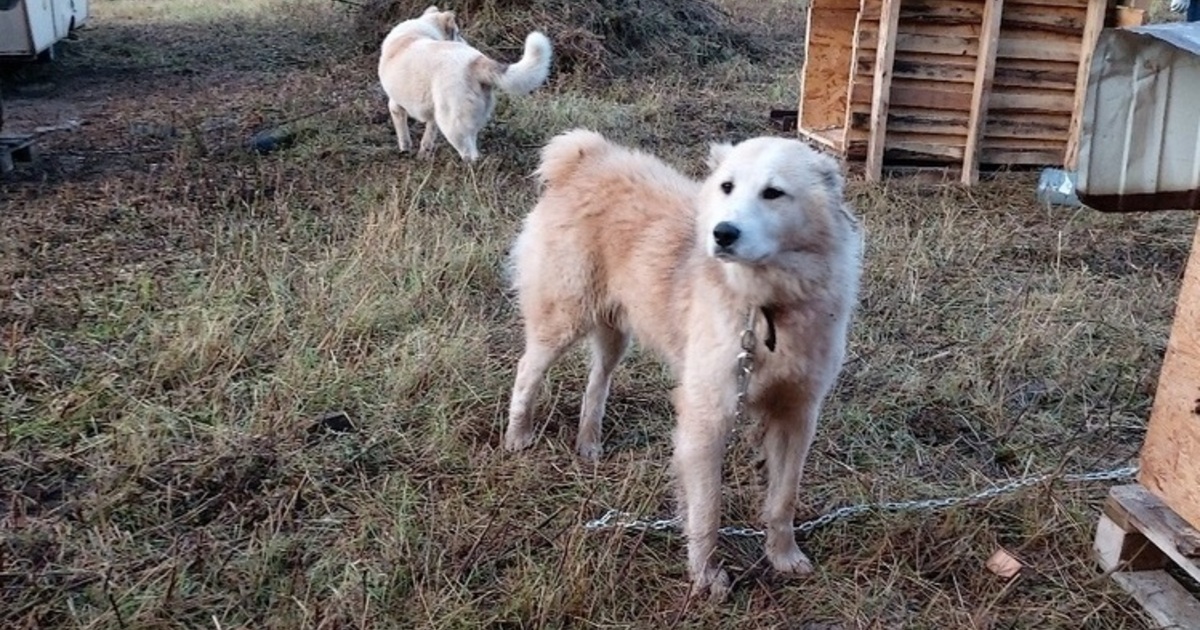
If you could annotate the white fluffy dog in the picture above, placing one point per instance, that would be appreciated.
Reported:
(431, 74)
(622, 244)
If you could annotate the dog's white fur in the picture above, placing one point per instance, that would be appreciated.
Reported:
(432, 74)
(620, 243)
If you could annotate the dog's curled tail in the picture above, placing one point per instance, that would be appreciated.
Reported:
(563, 155)
(524, 76)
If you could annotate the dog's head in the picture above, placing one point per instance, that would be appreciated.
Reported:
(768, 197)
(444, 22)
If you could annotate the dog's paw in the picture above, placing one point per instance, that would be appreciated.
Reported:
(589, 450)
(517, 441)
(713, 581)
(790, 559)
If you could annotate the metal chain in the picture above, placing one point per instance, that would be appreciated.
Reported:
(745, 365)
(622, 520)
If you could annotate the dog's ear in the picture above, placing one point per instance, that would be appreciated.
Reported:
(830, 171)
(448, 25)
(717, 152)
(431, 10)
(832, 177)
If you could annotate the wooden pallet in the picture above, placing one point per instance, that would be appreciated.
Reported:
(1137, 539)
(949, 83)
(15, 148)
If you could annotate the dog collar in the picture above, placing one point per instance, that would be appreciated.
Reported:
(748, 337)
(769, 341)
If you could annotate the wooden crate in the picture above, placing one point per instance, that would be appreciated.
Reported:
(948, 82)
(1170, 456)
(1137, 539)
(15, 148)
(1155, 523)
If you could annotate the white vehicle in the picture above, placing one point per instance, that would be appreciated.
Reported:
(29, 29)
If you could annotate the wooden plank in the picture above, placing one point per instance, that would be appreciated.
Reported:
(1118, 548)
(934, 12)
(1030, 100)
(1157, 522)
(1054, 75)
(985, 67)
(924, 94)
(1002, 128)
(1037, 73)
(1024, 18)
(949, 69)
(1170, 456)
(1097, 10)
(917, 120)
(927, 29)
(921, 43)
(831, 138)
(881, 88)
(1167, 602)
(1017, 125)
(935, 148)
(1024, 46)
(824, 82)
(1051, 5)
(1024, 144)
(1009, 157)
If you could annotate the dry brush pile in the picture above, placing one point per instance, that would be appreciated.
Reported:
(590, 36)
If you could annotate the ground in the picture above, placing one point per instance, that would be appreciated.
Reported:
(268, 391)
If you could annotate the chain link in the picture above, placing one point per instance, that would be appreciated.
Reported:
(622, 520)
(745, 365)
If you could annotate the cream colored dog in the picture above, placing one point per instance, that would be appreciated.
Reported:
(431, 74)
(621, 243)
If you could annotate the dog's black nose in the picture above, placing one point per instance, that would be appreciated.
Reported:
(726, 233)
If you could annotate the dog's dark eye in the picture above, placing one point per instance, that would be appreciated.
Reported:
(727, 187)
(771, 193)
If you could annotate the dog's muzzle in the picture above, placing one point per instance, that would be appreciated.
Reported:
(725, 234)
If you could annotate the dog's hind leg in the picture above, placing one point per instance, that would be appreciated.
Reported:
(786, 442)
(460, 122)
(608, 346)
(464, 143)
(531, 369)
(428, 139)
(400, 122)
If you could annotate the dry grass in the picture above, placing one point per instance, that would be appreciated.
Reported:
(179, 318)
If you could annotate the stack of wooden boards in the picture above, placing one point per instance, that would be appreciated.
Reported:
(957, 83)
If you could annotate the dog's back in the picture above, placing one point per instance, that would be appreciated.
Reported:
(610, 218)
(416, 52)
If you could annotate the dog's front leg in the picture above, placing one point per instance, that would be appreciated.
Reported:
(699, 449)
(786, 442)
